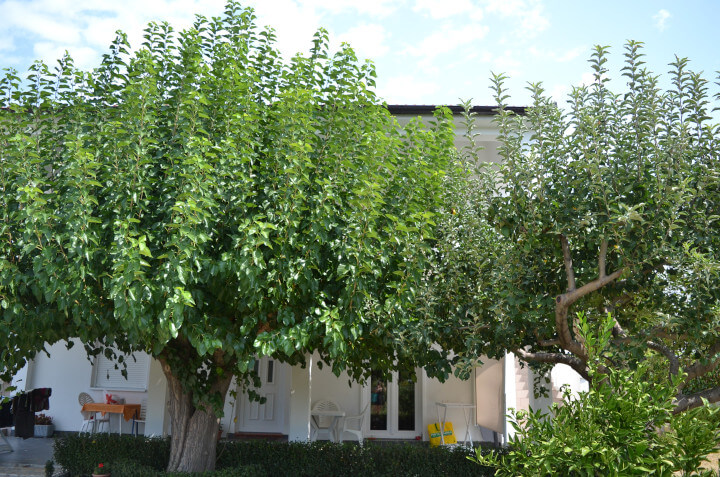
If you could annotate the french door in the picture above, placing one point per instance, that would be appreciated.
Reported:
(394, 407)
(270, 416)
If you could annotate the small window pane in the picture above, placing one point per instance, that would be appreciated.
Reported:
(270, 371)
(378, 402)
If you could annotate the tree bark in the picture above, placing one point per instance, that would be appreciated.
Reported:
(193, 441)
(686, 402)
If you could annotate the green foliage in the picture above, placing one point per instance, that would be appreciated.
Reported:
(624, 425)
(79, 455)
(135, 457)
(206, 201)
(49, 468)
(130, 468)
(323, 458)
(608, 204)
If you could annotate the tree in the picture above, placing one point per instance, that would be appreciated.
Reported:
(610, 206)
(624, 425)
(205, 201)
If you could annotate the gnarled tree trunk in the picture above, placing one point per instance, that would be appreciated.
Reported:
(193, 440)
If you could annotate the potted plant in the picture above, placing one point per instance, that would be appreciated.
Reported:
(101, 470)
(43, 425)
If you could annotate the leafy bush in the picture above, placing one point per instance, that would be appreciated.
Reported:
(79, 455)
(147, 457)
(328, 459)
(130, 468)
(624, 425)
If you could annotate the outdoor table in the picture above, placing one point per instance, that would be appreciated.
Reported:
(126, 411)
(335, 415)
(467, 411)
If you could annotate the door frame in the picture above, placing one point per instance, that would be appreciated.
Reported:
(392, 432)
(281, 405)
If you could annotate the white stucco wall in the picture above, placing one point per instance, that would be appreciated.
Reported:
(68, 373)
(563, 374)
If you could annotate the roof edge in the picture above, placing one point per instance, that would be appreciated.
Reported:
(427, 109)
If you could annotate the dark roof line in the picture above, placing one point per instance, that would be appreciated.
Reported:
(456, 109)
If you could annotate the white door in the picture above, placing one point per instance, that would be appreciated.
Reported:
(394, 407)
(270, 416)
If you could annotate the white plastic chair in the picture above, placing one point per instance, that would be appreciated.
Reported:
(140, 420)
(320, 424)
(90, 419)
(354, 425)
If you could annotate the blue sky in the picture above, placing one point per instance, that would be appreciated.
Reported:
(425, 51)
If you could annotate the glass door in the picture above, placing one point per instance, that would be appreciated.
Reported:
(393, 406)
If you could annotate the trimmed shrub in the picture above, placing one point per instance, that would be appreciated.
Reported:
(79, 455)
(130, 468)
(328, 459)
(147, 457)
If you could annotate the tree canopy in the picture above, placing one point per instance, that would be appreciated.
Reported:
(607, 205)
(208, 202)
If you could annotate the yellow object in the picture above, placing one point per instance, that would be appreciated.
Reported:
(448, 434)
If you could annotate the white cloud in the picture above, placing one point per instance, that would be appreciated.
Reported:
(368, 41)
(529, 15)
(294, 23)
(447, 39)
(571, 54)
(52, 26)
(407, 89)
(439, 9)
(6, 42)
(506, 63)
(373, 8)
(661, 19)
(50, 52)
(562, 57)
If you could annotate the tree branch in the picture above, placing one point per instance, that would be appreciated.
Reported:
(563, 330)
(699, 369)
(571, 297)
(558, 358)
(687, 402)
(567, 258)
(659, 347)
(624, 299)
(669, 354)
(601, 258)
(545, 343)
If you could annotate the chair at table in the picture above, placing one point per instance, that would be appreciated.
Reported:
(320, 424)
(90, 419)
(354, 425)
(139, 419)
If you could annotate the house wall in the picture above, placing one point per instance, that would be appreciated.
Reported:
(453, 390)
(69, 372)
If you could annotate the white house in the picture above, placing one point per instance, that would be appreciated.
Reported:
(402, 408)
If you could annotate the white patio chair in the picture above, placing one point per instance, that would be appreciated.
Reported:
(320, 424)
(90, 419)
(140, 420)
(354, 425)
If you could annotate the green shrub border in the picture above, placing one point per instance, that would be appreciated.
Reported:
(147, 457)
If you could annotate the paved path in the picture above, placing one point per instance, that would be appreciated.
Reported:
(28, 457)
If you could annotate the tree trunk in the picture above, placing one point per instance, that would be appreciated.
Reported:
(193, 440)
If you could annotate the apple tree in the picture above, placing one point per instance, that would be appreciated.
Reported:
(608, 205)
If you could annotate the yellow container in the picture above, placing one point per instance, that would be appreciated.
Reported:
(448, 434)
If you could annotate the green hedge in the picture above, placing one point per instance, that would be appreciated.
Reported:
(79, 455)
(147, 457)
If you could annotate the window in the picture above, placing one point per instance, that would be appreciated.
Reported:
(105, 376)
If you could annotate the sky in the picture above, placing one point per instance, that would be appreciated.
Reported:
(425, 51)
